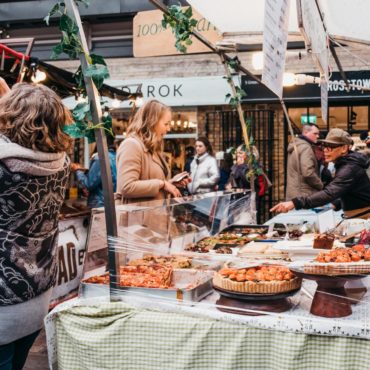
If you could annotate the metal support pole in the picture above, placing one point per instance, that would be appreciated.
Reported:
(96, 112)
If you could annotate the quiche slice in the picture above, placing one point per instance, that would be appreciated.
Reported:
(257, 280)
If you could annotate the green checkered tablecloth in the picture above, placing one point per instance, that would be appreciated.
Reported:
(117, 336)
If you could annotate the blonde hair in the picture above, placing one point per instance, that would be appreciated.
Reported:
(254, 150)
(144, 122)
(34, 116)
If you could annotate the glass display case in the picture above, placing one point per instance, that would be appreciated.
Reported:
(162, 228)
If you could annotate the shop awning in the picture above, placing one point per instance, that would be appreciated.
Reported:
(60, 80)
(344, 19)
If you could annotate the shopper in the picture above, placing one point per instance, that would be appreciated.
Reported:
(239, 175)
(226, 164)
(303, 177)
(92, 181)
(142, 172)
(34, 171)
(204, 170)
(350, 184)
(189, 156)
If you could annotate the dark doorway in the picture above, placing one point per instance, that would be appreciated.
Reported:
(224, 130)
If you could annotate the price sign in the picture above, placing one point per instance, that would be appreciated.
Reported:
(313, 31)
(275, 38)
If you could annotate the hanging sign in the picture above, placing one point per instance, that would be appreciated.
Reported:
(314, 34)
(324, 98)
(275, 37)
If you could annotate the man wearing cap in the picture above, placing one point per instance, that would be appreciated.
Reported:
(351, 184)
(303, 168)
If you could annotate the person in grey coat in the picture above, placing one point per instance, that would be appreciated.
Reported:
(204, 171)
(303, 177)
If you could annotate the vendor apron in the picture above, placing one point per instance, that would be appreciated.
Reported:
(363, 213)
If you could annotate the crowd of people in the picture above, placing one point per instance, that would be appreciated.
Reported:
(34, 173)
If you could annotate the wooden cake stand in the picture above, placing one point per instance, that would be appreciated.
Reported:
(331, 298)
(245, 304)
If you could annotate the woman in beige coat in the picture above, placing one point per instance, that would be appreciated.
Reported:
(142, 172)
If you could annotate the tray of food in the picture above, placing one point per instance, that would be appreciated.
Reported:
(340, 261)
(213, 243)
(246, 229)
(154, 280)
(260, 279)
(260, 250)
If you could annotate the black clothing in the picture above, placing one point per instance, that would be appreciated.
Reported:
(238, 178)
(351, 184)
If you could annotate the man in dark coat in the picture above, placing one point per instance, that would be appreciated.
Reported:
(303, 169)
(351, 184)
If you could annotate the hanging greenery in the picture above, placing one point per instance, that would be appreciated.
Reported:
(182, 25)
(234, 99)
(70, 44)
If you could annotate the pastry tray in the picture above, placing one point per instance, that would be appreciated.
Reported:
(190, 285)
(238, 229)
(336, 269)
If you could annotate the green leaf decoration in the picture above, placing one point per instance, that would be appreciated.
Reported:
(67, 24)
(70, 44)
(182, 25)
(97, 59)
(98, 73)
(80, 111)
(85, 2)
(55, 9)
(74, 131)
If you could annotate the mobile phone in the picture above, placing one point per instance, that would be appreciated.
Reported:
(179, 177)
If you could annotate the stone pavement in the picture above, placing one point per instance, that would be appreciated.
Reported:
(38, 355)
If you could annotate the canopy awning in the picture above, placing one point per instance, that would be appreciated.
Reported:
(344, 19)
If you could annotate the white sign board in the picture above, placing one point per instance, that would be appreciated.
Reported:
(275, 38)
(313, 31)
(71, 252)
(324, 99)
(174, 92)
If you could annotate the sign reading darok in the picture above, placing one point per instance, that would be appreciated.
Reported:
(151, 39)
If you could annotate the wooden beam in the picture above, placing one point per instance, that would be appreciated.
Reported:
(96, 112)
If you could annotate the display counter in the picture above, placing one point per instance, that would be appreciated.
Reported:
(194, 287)
(103, 335)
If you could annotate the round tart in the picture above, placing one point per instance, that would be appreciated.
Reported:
(260, 280)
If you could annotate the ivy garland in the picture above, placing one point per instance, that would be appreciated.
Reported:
(70, 44)
(182, 25)
(234, 100)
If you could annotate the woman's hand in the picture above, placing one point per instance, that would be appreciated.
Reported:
(4, 88)
(283, 207)
(75, 167)
(181, 180)
(172, 189)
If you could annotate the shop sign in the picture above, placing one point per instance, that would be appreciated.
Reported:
(71, 251)
(187, 91)
(312, 92)
(151, 39)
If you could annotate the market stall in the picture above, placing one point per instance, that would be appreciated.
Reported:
(198, 321)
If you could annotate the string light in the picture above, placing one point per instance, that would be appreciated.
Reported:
(38, 76)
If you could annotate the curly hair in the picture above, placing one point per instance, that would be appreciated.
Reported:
(144, 122)
(33, 116)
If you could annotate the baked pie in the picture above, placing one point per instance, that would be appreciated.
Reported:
(341, 261)
(257, 280)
